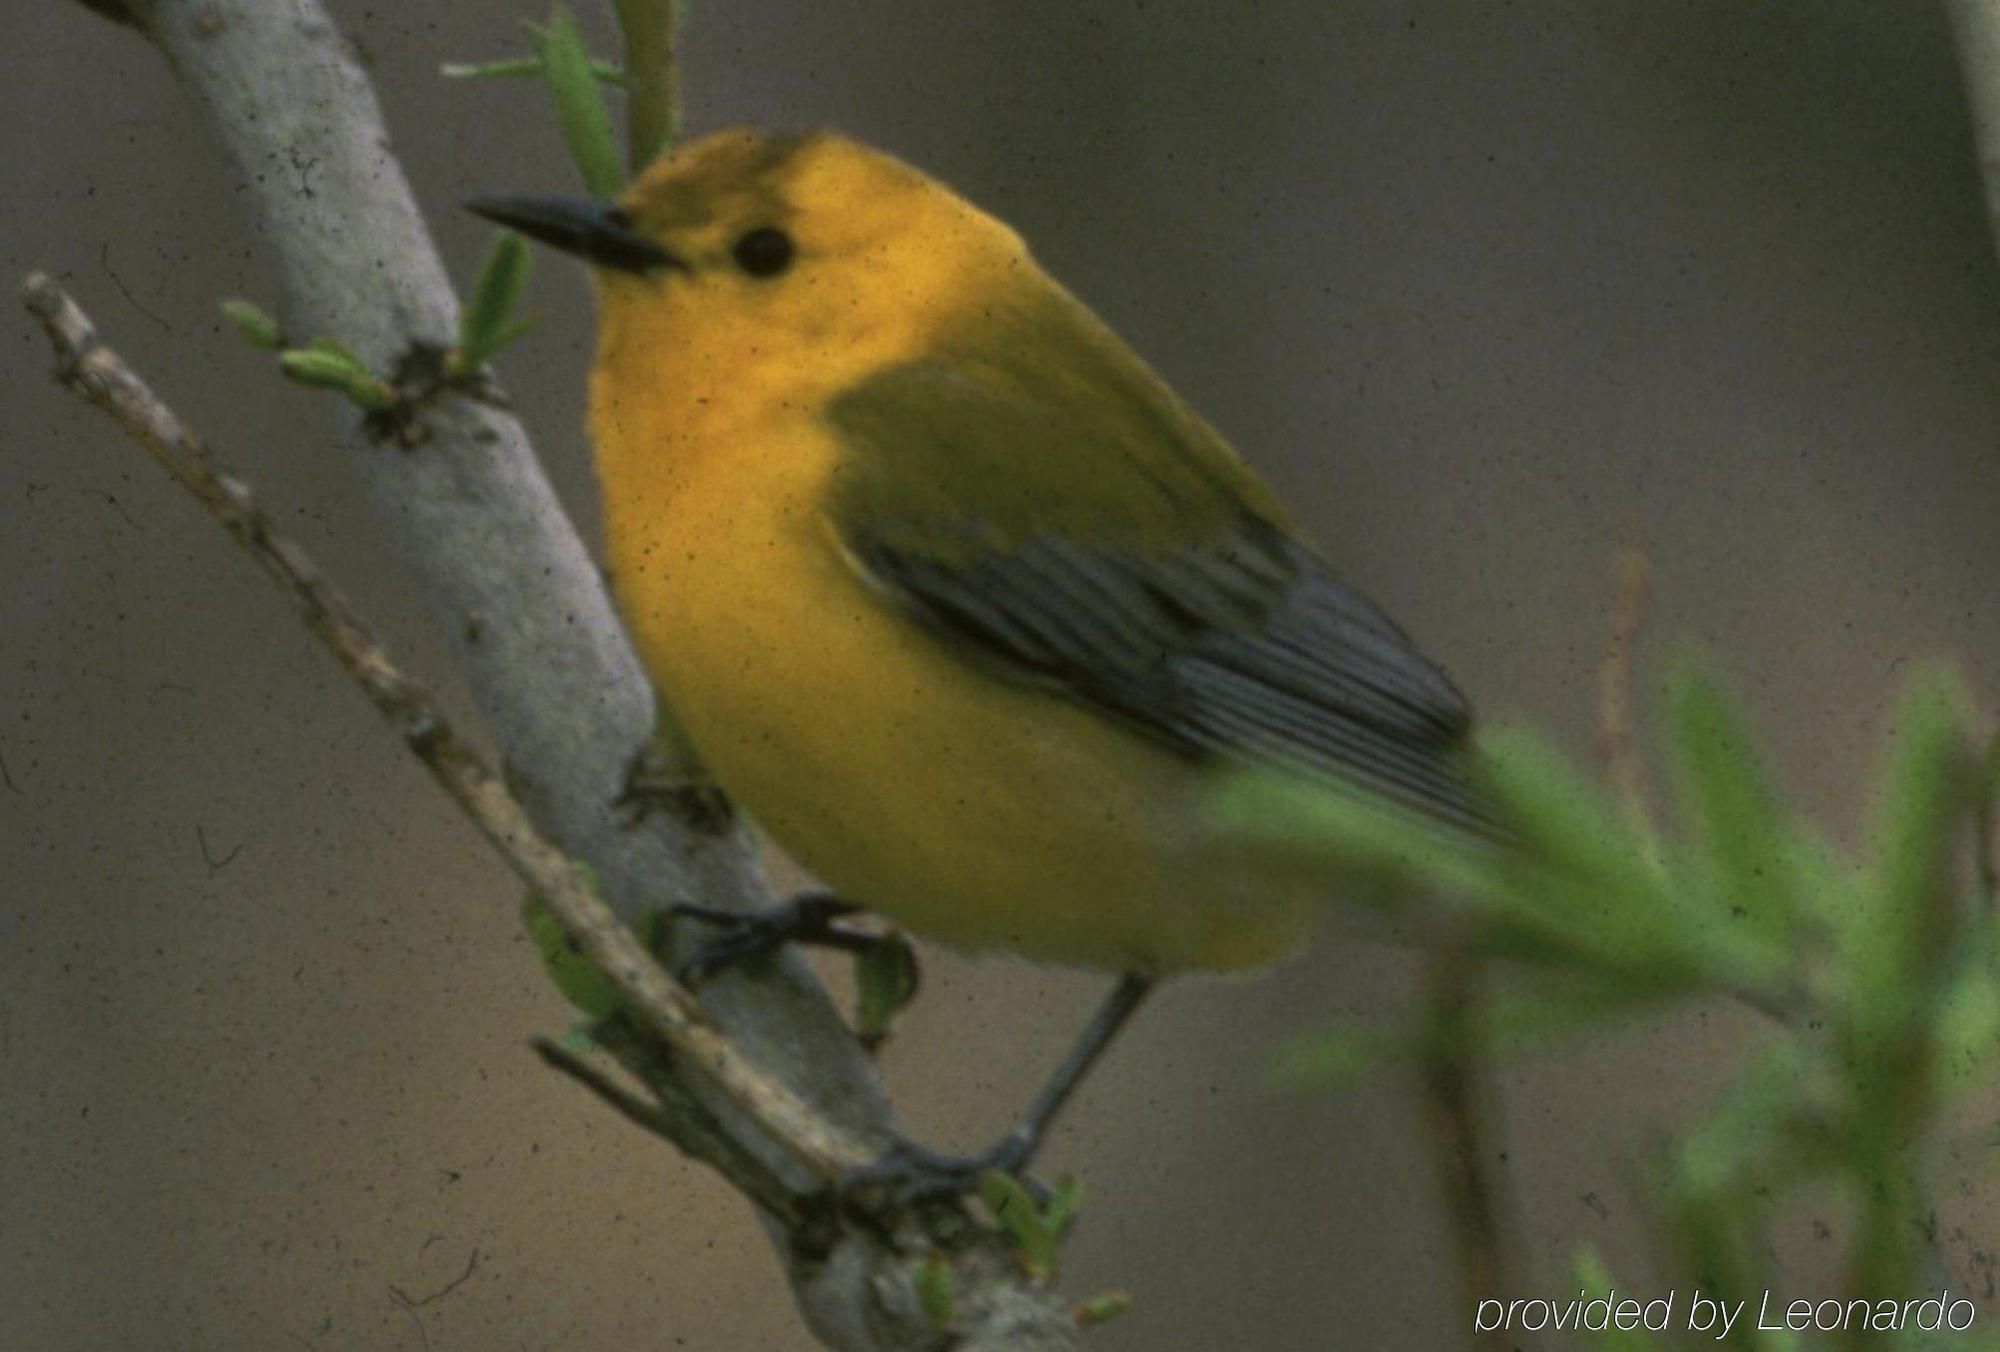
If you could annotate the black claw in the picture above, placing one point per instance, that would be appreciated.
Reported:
(812, 918)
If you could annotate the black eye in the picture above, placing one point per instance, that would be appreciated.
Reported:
(764, 252)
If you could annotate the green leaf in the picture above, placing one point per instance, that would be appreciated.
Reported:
(335, 349)
(1773, 1127)
(1349, 832)
(1965, 1029)
(1731, 810)
(605, 72)
(257, 328)
(580, 111)
(1065, 1202)
(885, 981)
(321, 369)
(1581, 877)
(325, 363)
(936, 1295)
(1563, 1004)
(1508, 1022)
(1907, 916)
(1009, 1201)
(506, 337)
(1564, 819)
(1557, 1004)
(1037, 1234)
(1576, 888)
(580, 983)
(488, 323)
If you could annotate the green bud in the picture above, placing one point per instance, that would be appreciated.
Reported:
(327, 370)
(586, 126)
(516, 67)
(936, 1295)
(328, 364)
(488, 323)
(1035, 1232)
(580, 983)
(885, 980)
(258, 329)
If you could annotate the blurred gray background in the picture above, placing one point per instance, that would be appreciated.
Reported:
(1489, 292)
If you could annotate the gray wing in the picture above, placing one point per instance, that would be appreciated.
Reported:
(1248, 650)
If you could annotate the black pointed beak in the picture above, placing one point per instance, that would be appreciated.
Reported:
(596, 232)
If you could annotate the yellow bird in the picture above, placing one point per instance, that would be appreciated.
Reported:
(950, 591)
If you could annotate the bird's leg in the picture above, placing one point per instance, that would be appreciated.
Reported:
(808, 918)
(911, 1173)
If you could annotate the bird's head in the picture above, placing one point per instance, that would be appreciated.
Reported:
(749, 250)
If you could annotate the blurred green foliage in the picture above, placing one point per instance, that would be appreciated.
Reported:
(885, 981)
(1037, 1230)
(1879, 972)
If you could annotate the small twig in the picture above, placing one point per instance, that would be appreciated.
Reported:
(663, 1007)
(1450, 1071)
(1615, 734)
(652, 78)
(686, 1125)
(641, 1112)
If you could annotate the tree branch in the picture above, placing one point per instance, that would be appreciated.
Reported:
(682, 1123)
(532, 631)
(662, 1006)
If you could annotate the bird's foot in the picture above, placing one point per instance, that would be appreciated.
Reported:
(744, 936)
(908, 1173)
(651, 786)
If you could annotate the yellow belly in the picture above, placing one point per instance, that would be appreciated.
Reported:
(973, 811)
